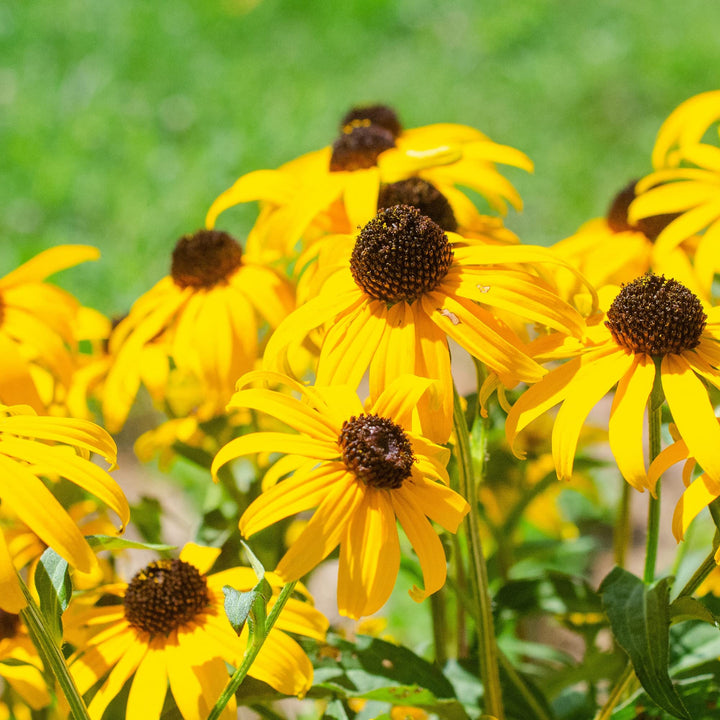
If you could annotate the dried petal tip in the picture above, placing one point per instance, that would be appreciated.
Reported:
(400, 254)
(420, 194)
(165, 595)
(381, 115)
(204, 259)
(376, 450)
(656, 316)
(617, 215)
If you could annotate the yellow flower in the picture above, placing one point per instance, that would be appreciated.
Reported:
(653, 326)
(203, 319)
(686, 181)
(336, 189)
(611, 250)
(362, 471)
(171, 628)
(37, 329)
(33, 447)
(407, 287)
(24, 672)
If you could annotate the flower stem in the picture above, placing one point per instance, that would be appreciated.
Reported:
(616, 693)
(255, 642)
(489, 672)
(51, 654)
(439, 623)
(653, 526)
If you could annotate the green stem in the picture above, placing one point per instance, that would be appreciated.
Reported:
(255, 642)
(513, 676)
(653, 526)
(488, 651)
(460, 588)
(616, 693)
(440, 629)
(621, 531)
(708, 565)
(51, 654)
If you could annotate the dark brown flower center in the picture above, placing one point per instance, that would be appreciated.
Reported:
(400, 254)
(204, 259)
(617, 215)
(422, 195)
(9, 625)
(359, 146)
(381, 115)
(376, 450)
(165, 595)
(656, 316)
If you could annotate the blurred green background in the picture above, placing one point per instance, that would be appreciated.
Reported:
(121, 121)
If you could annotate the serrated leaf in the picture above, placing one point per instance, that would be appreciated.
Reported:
(640, 621)
(690, 608)
(54, 589)
(110, 542)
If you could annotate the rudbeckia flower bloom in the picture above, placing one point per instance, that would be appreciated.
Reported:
(362, 470)
(653, 326)
(612, 250)
(335, 190)
(33, 447)
(686, 181)
(20, 664)
(403, 288)
(171, 628)
(37, 329)
(204, 319)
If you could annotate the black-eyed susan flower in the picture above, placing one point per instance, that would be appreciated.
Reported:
(38, 329)
(402, 288)
(612, 250)
(654, 327)
(203, 319)
(32, 448)
(335, 190)
(170, 629)
(362, 470)
(686, 181)
(20, 664)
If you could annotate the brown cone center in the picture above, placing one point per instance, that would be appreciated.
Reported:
(420, 194)
(359, 146)
(204, 259)
(617, 215)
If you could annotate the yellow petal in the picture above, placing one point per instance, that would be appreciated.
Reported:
(400, 398)
(587, 388)
(283, 665)
(16, 383)
(698, 496)
(200, 556)
(692, 412)
(12, 599)
(361, 196)
(667, 458)
(369, 556)
(301, 618)
(626, 420)
(441, 504)
(49, 262)
(149, 687)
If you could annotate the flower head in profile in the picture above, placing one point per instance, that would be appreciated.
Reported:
(686, 181)
(612, 250)
(401, 288)
(655, 330)
(336, 189)
(362, 469)
(38, 329)
(203, 319)
(169, 628)
(33, 448)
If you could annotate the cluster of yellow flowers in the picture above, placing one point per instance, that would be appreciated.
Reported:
(368, 262)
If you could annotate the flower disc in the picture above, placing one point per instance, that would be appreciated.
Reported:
(358, 147)
(381, 115)
(205, 258)
(422, 195)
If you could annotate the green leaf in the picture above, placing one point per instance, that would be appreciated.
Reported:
(54, 588)
(256, 565)
(640, 620)
(690, 608)
(110, 542)
(250, 605)
(146, 516)
(335, 710)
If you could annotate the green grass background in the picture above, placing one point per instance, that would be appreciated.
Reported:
(121, 121)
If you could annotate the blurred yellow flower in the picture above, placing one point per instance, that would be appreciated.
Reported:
(204, 319)
(31, 448)
(362, 470)
(171, 629)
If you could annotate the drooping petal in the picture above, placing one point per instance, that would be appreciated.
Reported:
(692, 412)
(283, 665)
(588, 387)
(369, 556)
(324, 531)
(48, 262)
(626, 420)
(440, 503)
(667, 458)
(698, 496)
